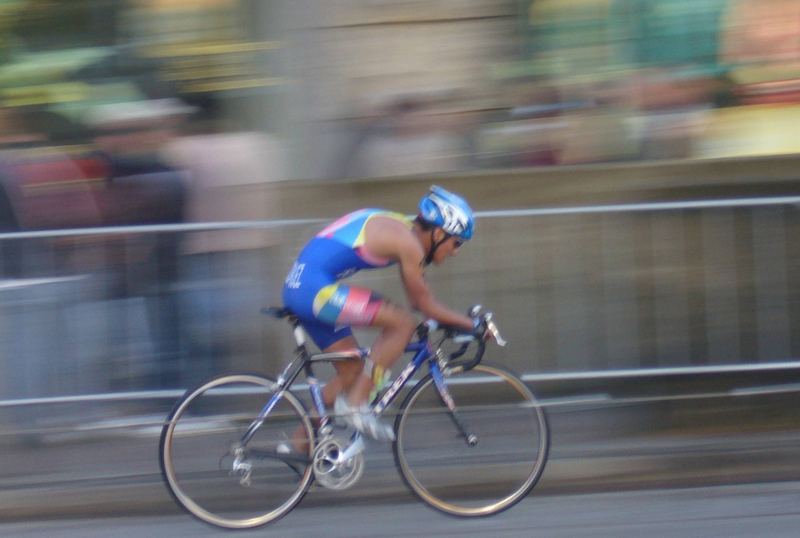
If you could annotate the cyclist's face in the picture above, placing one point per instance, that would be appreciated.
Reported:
(448, 248)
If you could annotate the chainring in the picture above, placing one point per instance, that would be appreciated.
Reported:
(332, 473)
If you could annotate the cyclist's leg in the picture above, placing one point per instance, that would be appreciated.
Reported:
(341, 305)
(347, 372)
(398, 326)
(332, 338)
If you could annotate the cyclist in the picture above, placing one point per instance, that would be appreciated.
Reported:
(327, 308)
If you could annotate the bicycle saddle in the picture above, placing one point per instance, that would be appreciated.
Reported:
(278, 312)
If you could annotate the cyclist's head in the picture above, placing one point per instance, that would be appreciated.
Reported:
(448, 211)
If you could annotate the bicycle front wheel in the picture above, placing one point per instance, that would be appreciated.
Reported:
(477, 479)
(221, 481)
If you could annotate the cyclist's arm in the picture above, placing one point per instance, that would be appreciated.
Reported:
(419, 292)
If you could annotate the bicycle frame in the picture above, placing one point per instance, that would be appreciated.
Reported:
(303, 362)
(304, 438)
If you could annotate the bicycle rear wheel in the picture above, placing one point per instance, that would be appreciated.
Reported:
(443, 470)
(198, 453)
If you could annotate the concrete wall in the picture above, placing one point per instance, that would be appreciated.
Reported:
(556, 186)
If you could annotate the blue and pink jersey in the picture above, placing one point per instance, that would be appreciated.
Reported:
(312, 290)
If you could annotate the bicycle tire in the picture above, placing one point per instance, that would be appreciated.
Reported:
(504, 465)
(195, 449)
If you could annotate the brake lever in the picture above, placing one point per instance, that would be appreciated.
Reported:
(492, 328)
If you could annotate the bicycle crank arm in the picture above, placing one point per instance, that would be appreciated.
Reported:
(274, 454)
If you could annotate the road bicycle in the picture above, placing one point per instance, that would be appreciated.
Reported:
(471, 440)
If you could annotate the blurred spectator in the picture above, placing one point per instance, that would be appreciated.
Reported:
(521, 127)
(629, 78)
(410, 135)
(142, 188)
(46, 185)
(14, 135)
(566, 109)
(225, 272)
(87, 289)
(43, 186)
(596, 124)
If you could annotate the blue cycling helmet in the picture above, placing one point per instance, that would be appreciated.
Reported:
(447, 211)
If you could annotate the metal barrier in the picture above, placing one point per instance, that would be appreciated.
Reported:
(581, 292)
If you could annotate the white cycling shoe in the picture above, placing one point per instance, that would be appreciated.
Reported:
(363, 420)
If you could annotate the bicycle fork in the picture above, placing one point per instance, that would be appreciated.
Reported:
(447, 400)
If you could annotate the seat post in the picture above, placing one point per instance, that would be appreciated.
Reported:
(299, 334)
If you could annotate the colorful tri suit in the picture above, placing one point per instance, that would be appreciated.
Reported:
(326, 307)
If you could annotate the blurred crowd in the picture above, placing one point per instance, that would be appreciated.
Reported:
(349, 89)
(651, 79)
(560, 82)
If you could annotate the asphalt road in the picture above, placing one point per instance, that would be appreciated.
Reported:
(752, 510)
(603, 478)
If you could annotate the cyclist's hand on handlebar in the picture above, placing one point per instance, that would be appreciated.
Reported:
(480, 330)
(484, 327)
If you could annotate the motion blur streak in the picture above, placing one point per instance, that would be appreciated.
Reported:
(634, 164)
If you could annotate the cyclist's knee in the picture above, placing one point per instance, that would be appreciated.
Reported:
(400, 320)
(409, 323)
